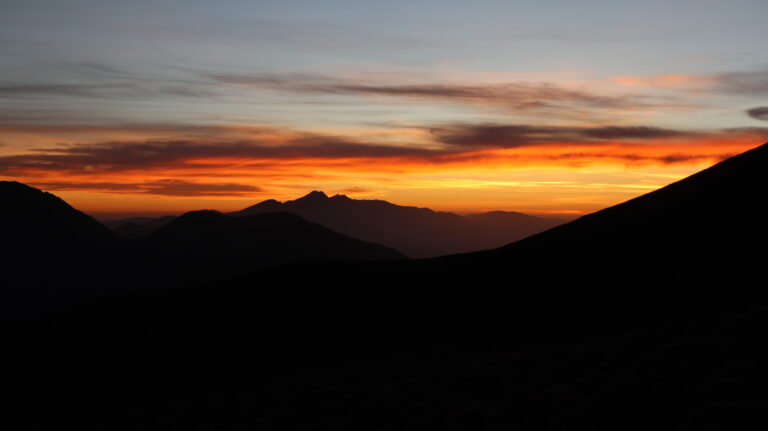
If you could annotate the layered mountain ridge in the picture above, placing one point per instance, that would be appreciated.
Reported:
(416, 232)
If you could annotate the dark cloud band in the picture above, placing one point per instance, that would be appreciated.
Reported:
(258, 148)
(164, 187)
(759, 113)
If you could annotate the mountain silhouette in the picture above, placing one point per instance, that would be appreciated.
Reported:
(55, 256)
(647, 315)
(710, 225)
(222, 245)
(417, 232)
(49, 250)
(33, 221)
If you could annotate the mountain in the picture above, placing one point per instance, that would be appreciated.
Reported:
(220, 245)
(708, 226)
(49, 250)
(648, 315)
(37, 222)
(417, 232)
(54, 255)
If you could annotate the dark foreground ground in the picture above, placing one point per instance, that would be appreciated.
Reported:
(292, 360)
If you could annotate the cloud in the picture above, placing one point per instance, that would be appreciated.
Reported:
(259, 144)
(630, 157)
(633, 132)
(92, 80)
(738, 83)
(512, 136)
(280, 154)
(744, 83)
(162, 187)
(759, 113)
(124, 156)
(353, 190)
(126, 90)
(665, 81)
(514, 95)
(47, 90)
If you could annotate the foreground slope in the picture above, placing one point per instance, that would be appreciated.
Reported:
(708, 226)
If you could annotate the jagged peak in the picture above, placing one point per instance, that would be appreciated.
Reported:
(314, 195)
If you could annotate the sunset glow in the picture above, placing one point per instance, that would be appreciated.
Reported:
(261, 101)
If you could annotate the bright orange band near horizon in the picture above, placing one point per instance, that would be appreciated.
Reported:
(163, 175)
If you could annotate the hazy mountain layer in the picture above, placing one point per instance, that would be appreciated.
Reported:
(416, 232)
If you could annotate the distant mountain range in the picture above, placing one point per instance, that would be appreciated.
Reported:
(54, 255)
(416, 232)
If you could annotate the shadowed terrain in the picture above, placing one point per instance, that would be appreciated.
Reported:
(208, 242)
(647, 315)
(55, 256)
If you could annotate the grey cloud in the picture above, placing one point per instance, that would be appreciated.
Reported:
(634, 132)
(121, 156)
(517, 95)
(450, 142)
(111, 90)
(759, 113)
(511, 136)
(744, 83)
(164, 187)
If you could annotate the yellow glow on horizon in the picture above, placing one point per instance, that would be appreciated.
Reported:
(568, 178)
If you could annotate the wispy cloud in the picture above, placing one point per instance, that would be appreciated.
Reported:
(161, 187)
(759, 113)
(519, 96)
(743, 83)
(94, 80)
(512, 136)
(127, 156)
(259, 148)
(123, 90)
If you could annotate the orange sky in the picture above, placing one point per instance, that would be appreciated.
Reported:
(139, 173)
(133, 108)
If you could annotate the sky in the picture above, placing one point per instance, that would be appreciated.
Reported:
(545, 107)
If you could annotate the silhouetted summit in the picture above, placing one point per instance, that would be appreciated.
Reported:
(417, 232)
(314, 196)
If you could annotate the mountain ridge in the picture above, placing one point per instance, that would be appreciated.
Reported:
(415, 231)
